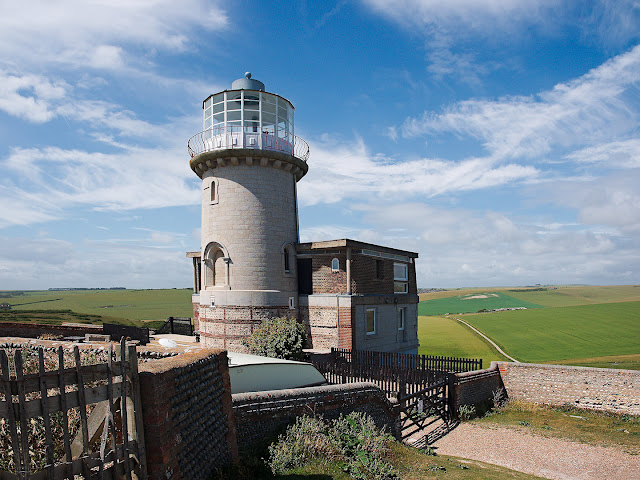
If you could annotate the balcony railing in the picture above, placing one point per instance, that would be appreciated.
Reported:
(221, 138)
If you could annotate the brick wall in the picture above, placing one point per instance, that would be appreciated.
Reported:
(363, 274)
(196, 316)
(326, 281)
(226, 326)
(475, 388)
(605, 389)
(188, 418)
(261, 415)
(33, 330)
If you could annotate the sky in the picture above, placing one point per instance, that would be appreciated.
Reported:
(499, 139)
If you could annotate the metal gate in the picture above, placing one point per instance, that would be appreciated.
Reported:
(60, 418)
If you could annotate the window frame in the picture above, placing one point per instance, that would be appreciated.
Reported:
(335, 269)
(402, 318)
(401, 282)
(366, 321)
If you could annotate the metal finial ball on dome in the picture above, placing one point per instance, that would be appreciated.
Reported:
(248, 75)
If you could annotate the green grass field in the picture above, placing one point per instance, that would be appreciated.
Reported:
(563, 333)
(471, 303)
(128, 304)
(449, 338)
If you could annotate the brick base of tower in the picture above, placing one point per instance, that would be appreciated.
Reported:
(226, 326)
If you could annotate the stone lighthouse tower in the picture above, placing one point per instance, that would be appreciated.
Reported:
(249, 160)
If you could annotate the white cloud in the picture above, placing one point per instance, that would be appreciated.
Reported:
(594, 108)
(463, 14)
(468, 247)
(616, 154)
(29, 96)
(610, 201)
(60, 179)
(42, 263)
(347, 170)
(80, 33)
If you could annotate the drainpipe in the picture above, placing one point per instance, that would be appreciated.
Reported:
(348, 271)
(338, 316)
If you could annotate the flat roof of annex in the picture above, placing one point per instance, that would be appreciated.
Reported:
(348, 243)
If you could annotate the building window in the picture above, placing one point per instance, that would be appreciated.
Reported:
(371, 321)
(335, 265)
(401, 316)
(400, 278)
(380, 269)
(287, 261)
(210, 191)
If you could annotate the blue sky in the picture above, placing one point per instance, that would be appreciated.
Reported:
(498, 139)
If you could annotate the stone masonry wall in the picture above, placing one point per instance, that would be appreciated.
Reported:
(261, 415)
(32, 330)
(616, 391)
(225, 326)
(188, 417)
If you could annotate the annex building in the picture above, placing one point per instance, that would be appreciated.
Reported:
(252, 266)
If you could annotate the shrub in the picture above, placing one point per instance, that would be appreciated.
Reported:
(353, 441)
(278, 338)
(466, 412)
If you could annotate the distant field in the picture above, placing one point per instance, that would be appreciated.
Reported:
(570, 296)
(565, 333)
(449, 338)
(472, 302)
(127, 304)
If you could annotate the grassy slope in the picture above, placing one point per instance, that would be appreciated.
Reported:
(130, 304)
(562, 333)
(444, 336)
(466, 304)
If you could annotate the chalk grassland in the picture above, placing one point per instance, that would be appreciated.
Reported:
(472, 302)
(139, 305)
(562, 296)
(447, 337)
(564, 333)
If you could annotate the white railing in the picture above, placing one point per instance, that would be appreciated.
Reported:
(221, 138)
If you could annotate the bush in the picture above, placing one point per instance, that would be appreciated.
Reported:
(353, 441)
(466, 412)
(278, 338)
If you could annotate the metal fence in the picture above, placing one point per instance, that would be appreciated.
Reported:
(178, 325)
(117, 332)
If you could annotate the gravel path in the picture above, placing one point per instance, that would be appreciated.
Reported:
(551, 458)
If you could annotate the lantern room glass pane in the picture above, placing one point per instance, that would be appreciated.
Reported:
(219, 118)
(251, 115)
(234, 105)
(234, 115)
(218, 98)
(218, 108)
(268, 108)
(268, 118)
(268, 98)
(251, 105)
(234, 95)
(282, 103)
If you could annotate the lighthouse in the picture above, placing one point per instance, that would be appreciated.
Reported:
(251, 264)
(249, 160)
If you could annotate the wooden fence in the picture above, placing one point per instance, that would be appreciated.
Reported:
(42, 436)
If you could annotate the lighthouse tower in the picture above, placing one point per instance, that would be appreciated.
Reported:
(249, 160)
